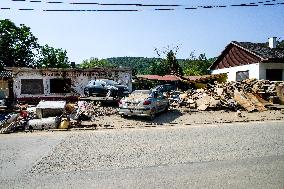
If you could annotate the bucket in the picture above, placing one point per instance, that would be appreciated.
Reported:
(64, 123)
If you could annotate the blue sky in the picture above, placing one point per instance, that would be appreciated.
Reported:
(111, 34)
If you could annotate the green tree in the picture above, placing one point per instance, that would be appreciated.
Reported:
(169, 65)
(173, 64)
(141, 64)
(51, 57)
(94, 62)
(280, 44)
(197, 65)
(159, 67)
(18, 46)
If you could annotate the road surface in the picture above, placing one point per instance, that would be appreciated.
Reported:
(239, 155)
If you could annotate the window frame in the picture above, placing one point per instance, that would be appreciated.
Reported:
(54, 90)
(32, 81)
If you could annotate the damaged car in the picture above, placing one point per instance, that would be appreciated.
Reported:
(105, 88)
(146, 103)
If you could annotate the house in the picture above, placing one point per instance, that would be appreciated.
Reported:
(61, 83)
(246, 60)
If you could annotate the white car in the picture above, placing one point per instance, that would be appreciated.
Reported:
(143, 103)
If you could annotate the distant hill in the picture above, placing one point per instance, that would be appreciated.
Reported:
(140, 64)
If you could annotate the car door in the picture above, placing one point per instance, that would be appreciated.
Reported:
(100, 87)
(160, 102)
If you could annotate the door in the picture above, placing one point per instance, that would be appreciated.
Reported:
(274, 74)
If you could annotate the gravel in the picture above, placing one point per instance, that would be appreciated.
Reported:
(180, 156)
(116, 149)
(186, 117)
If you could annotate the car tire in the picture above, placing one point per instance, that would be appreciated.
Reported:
(167, 108)
(108, 94)
(86, 93)
(152, 114)
(123, 115)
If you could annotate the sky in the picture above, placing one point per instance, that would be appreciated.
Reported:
(104, 34)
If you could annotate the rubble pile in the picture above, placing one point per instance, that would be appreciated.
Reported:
(250, 94)
(89, 111)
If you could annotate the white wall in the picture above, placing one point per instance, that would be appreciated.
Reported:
(264, 66)
(231, 72)
(78, 81)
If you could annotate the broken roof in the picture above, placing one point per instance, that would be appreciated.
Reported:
(262, 50)
(243, 53)
(199, 78)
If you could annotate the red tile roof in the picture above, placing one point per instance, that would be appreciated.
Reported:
(177, 78)
(160, 78)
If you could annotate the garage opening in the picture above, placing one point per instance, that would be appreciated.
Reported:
(242, 75)
(274, 74)
(32, 86)
(60, 85)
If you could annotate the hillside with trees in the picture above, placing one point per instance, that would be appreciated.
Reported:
(159, 66)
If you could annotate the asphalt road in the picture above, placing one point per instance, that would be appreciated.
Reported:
(239, 155)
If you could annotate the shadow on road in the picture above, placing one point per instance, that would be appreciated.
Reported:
(161, 118)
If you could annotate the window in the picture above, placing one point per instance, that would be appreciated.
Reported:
(60, 85)
(242, 75)
(274, 74)
(32, 86)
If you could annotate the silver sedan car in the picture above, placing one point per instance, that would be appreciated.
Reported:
(143, 103)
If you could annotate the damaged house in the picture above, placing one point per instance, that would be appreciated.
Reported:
(61, 83)
(246, 60)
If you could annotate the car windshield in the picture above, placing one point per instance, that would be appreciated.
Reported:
(110, 82)
(99, 82)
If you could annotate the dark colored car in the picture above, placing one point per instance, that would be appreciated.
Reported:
(105, 88)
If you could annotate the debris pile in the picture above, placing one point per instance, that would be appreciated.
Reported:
(45, 117)
(250, 94)
(89, 111)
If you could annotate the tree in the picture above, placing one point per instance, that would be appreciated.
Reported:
(173, 65)
(280, 44)
(94, 62)
(18, 46)
(197, 66)
(51, 57)
(159, 67)
(141, 64)
(169, 65)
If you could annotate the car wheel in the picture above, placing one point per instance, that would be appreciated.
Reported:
(167, 108)
(152, 114)
(108, 93)
(123, 115)
(87, 93)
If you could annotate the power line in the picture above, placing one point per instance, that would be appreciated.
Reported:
(172, 7)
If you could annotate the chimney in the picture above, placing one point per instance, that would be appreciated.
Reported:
(73, 65)
(272, 42)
